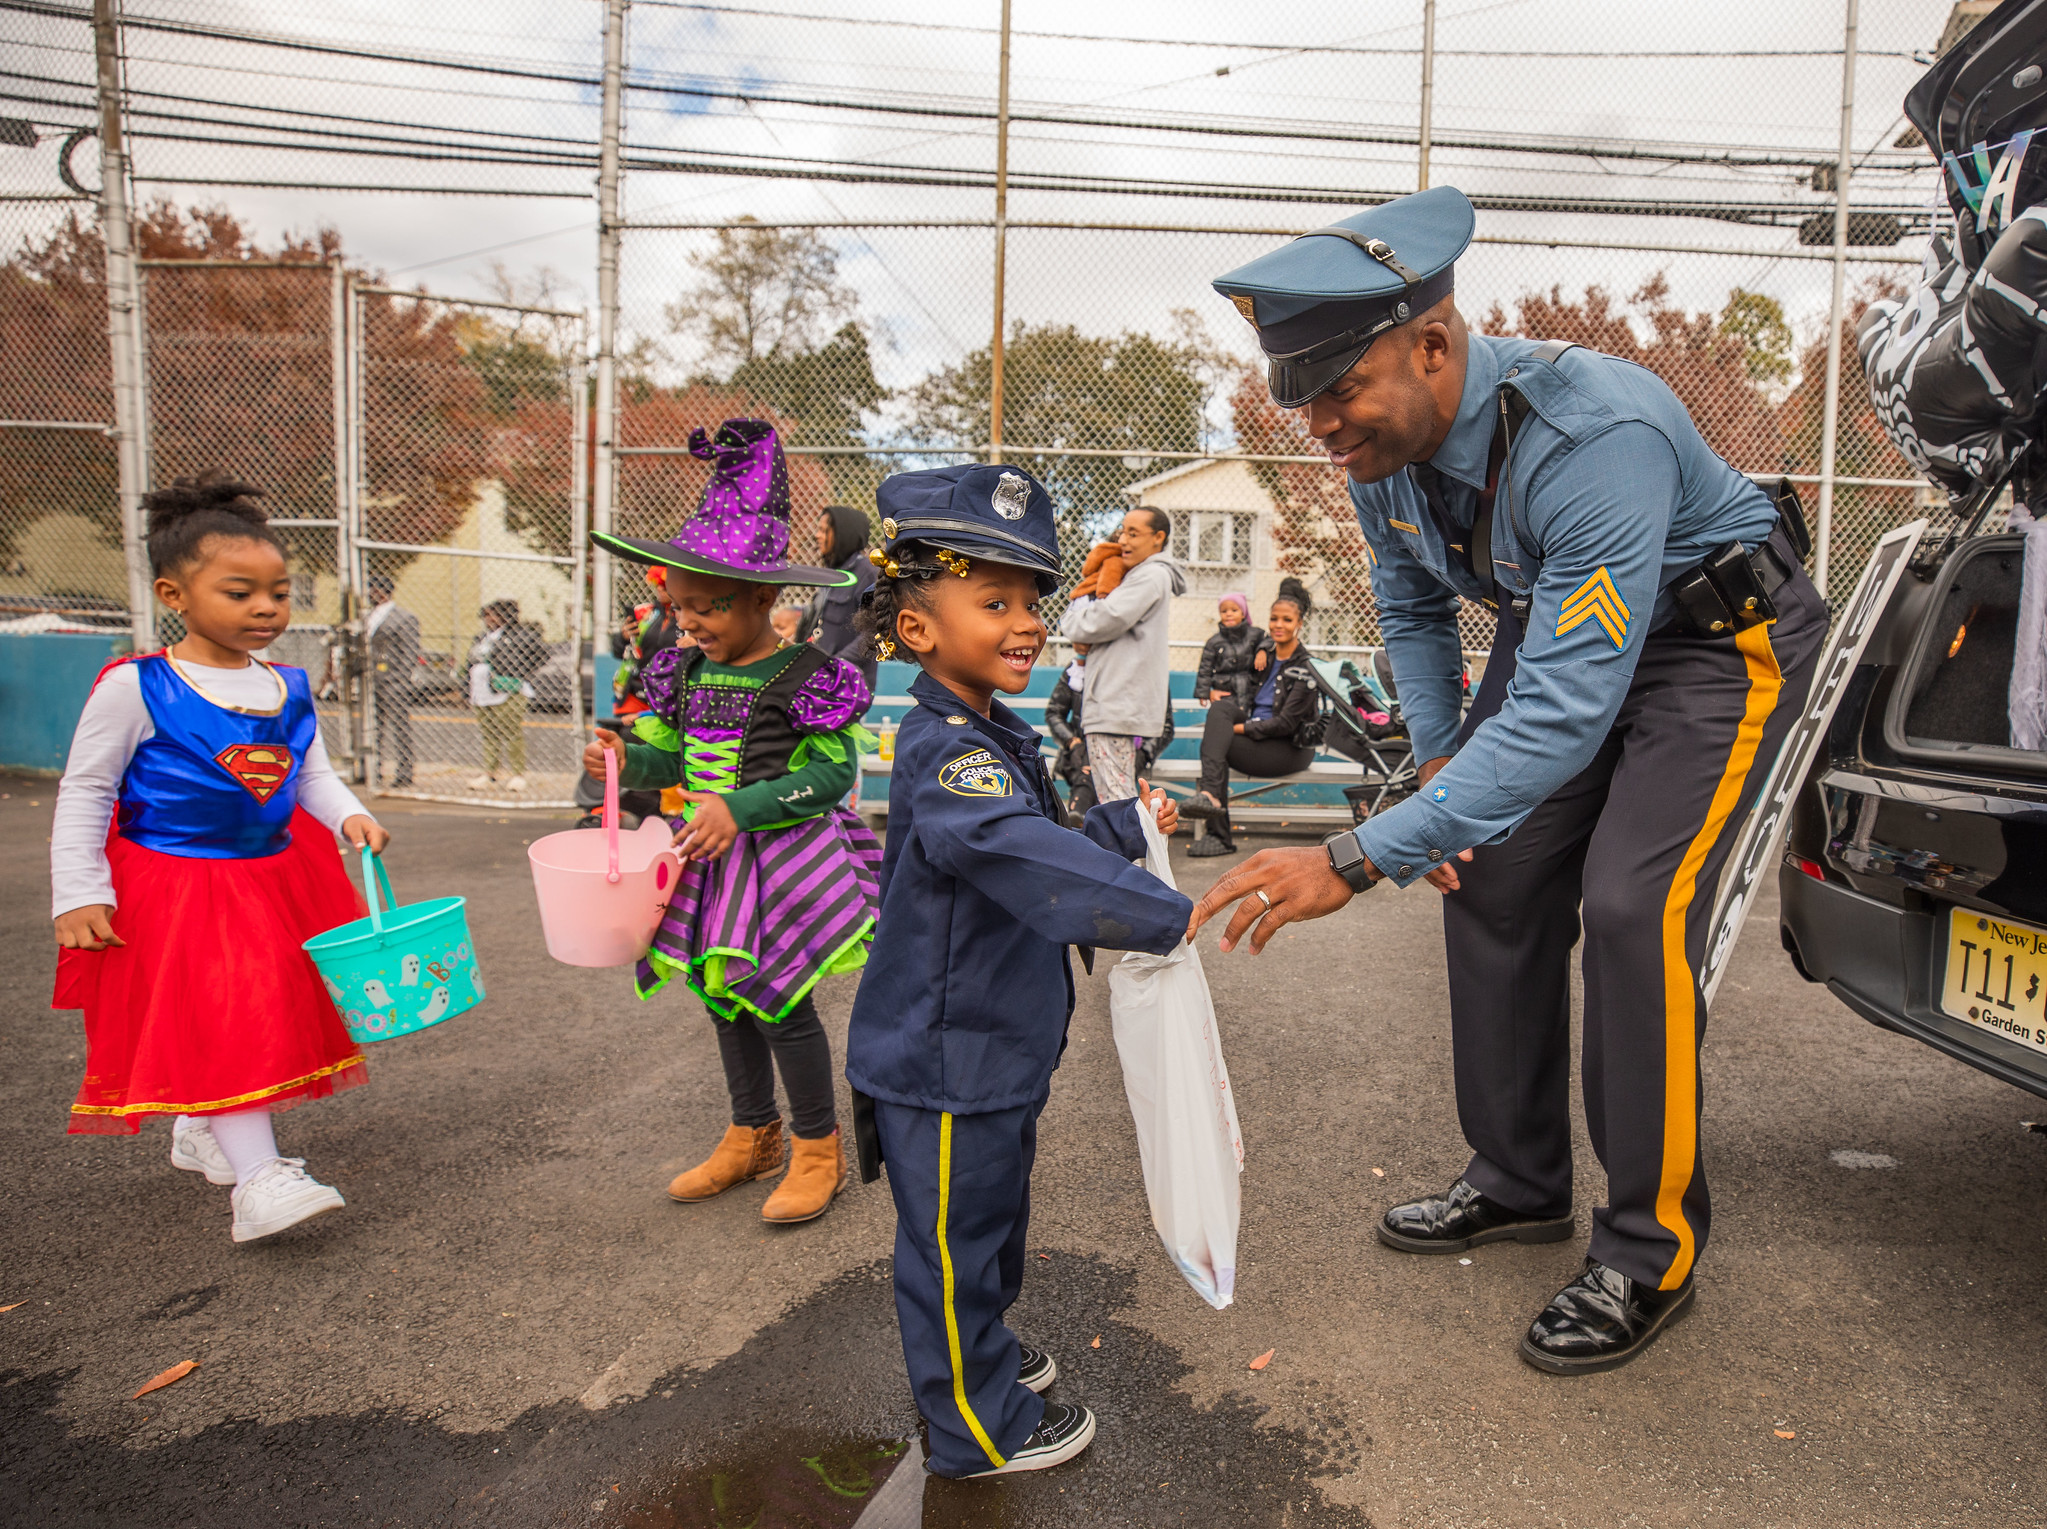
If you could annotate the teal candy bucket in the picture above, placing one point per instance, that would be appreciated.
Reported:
(400, 969)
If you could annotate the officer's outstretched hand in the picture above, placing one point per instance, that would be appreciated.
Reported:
(1297, 884)
(1167, 809)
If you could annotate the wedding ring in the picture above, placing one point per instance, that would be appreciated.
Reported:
(1264, 899)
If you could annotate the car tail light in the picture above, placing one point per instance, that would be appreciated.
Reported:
(1812, 868)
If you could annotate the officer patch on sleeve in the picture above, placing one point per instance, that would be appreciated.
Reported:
(977, 774)
(1597, 600)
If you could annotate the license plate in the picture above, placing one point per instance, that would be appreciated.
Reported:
(1997, 977)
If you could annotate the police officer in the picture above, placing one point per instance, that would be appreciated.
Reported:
(964, 1004)
(1656, 634)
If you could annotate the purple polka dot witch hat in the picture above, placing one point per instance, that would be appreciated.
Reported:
(741, 526)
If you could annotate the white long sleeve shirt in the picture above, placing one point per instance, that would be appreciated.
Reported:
(114, 724)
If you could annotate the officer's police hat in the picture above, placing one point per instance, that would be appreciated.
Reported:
(994, 513)
(1319, 302)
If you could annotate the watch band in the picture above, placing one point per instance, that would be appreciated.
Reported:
(1347, 859)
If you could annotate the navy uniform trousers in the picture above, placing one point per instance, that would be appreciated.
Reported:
(1637, 840)
(962, 1187)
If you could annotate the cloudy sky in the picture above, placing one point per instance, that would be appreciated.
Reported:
(1182, 114)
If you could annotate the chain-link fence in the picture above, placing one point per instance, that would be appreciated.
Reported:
(466, 517)
(814, 229)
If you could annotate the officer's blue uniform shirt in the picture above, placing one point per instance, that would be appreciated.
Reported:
(1608, 494)
(964, 1002)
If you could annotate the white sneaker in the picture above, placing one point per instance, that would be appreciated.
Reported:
(478, 782)
(280, 1194)
(194, 1150)
(516, 783)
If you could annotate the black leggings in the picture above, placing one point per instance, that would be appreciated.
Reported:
(751, 1048)
(1223, 749)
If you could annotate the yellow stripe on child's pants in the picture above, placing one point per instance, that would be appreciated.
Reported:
(952, 1324)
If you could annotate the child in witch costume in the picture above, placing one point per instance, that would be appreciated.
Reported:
(192, 856)
(962, 1014)
(779, 883)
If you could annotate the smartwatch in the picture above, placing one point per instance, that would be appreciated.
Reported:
(1347, 859)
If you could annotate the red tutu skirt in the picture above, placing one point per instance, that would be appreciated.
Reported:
(211, 1007)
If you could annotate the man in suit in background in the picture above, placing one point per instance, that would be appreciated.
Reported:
(392, 633)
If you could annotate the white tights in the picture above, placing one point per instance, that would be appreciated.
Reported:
(246, 1140)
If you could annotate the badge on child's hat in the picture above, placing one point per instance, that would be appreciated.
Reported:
(981, 510)
(1319, 302)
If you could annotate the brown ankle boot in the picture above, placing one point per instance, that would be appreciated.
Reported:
(747, 1152)
(817, 1168)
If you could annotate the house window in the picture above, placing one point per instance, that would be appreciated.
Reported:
(1212, 538)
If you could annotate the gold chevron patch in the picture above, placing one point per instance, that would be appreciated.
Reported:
(1597, 600)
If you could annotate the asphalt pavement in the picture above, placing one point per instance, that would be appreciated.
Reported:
(511, 1325)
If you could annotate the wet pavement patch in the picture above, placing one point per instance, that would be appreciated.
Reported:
(804, 1427)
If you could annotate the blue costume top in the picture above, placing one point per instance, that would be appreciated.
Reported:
(212, 783)
(967, 993)
(1608, 494)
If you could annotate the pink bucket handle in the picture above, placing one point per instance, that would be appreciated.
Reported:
(611, 814)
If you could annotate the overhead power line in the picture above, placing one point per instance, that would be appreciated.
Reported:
(1245, 46)
(942, 108)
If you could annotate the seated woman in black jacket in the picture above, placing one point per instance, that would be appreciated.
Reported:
(1273, 736)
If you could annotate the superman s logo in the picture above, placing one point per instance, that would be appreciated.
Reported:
(260, 768)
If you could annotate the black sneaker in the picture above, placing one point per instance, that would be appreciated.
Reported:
(1064, 1433)
(1035, 1369)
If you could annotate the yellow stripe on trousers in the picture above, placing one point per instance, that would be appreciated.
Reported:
(952, 1325)
(1680, 986)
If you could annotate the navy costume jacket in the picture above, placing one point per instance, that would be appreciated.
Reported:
(964, 1002)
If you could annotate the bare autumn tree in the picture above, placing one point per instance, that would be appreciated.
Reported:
(762, 294)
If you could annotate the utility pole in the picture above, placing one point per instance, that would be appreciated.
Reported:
(124, 326)
(604, 476)
(1428, 86)
(1830, 417)
(1001, 241)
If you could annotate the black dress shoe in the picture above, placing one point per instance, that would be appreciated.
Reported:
(1459, 1218)
(1600, 1321)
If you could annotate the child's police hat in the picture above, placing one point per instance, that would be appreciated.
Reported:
(981, 510)
(1319, 302)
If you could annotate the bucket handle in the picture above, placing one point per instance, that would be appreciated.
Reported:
(611, 815)
(372, 876)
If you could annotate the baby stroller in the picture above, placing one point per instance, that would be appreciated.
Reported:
(1361, 721)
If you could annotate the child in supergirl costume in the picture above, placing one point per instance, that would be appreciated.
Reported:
(191, 856)
(962, 1014)
(751, 929)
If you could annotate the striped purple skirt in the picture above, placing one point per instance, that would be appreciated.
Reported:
(753, 932)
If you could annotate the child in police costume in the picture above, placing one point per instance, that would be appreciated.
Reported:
(192, 856)
(963, 1010)
(778, 886)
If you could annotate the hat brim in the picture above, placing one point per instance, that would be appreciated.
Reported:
(990, 551)
(1293, 384)
(668, 555)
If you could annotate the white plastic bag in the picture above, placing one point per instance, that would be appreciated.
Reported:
(1180, 1100)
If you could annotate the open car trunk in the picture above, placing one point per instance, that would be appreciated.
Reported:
(1952, 707)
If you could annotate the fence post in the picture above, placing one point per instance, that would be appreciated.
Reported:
(579, 538)
(1830, 416)
(1001, 242)
(1428, 85)
(604, 477)
(124, 327)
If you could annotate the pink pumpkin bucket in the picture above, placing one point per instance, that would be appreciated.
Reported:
(602, 894)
